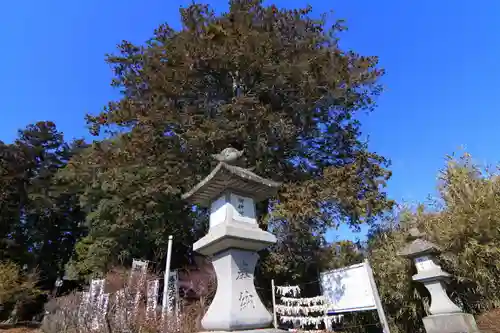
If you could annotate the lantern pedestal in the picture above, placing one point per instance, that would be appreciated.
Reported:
(236, 305)
(434, 281)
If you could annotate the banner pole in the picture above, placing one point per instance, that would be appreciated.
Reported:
(275, 319)
(166, 279)
(376, 296)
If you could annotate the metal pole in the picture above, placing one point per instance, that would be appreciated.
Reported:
(167, 278)
(275, 319)
(376, 296)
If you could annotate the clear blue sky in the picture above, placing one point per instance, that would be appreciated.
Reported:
(442, 61)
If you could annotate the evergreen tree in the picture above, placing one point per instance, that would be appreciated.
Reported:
(51, 218)
(41, 218)
(12, 199)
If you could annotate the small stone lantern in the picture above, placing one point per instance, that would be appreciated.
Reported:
(446, 316)
(232, 242)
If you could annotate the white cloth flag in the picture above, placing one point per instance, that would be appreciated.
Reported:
(121, 309)
(83, 312)
(96, 289)
(152, 299)
(137, 280)
(101, 311)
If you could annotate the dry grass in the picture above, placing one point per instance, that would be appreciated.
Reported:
(20, 330)
(66, 316)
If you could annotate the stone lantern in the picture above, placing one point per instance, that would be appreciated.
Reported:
(232, 242)
(446, 316)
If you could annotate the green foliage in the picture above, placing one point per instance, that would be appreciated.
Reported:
(12, 197)
(341, 254)
(400, 296)
(272, 82)
(15, 286)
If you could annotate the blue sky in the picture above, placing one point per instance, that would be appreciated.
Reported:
(441, 57)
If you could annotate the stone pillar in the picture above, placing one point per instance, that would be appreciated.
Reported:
(233, 240)
(445, 316)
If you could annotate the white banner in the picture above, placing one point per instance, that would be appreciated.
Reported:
(121, 309)
(137, 280)
(138, 272)
(96, 289)
(85, 308)
(173, 292)
(152, 299)
(101, 310)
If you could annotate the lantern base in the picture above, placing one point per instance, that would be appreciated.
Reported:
(451, 323)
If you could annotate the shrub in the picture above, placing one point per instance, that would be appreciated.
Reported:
(16, 289)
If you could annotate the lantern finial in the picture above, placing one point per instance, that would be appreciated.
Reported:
(229, 155)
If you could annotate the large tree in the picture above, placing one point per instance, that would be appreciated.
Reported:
(51, 219)
(12, 198)
(270, 81)
(41, 218)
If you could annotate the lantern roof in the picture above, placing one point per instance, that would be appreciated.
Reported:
(418, 246)
(227, 176)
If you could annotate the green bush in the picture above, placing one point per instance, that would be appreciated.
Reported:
(465, 222)
(16, 289)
